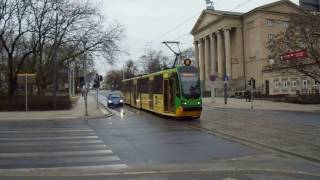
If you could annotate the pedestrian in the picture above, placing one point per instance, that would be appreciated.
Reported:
(246, 95)
(249, 96)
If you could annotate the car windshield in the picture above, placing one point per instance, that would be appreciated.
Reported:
(114, 96)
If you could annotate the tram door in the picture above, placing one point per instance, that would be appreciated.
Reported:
(150, 94)
(134, 92)
(169, 95)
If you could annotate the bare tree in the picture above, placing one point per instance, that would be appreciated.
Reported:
(131, 69)
(303, 32)
(154, 61)
(14, 27)
(48, 31)
(114, 79)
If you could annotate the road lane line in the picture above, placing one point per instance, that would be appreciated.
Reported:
(53, 154)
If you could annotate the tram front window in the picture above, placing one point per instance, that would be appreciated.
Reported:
(190, 84)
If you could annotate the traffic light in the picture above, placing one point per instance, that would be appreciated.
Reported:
(100, 78)
(81, 81)
(252, 82)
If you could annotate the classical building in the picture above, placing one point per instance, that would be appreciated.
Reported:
(233, 45)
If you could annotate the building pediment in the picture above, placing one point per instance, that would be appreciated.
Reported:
(208, 17)
(205, 19)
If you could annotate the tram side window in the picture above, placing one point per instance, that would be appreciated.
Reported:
(139, 86)
(144, 85)
(158, 84)
(130, 86)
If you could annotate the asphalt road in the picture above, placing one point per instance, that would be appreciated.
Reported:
(134, 144)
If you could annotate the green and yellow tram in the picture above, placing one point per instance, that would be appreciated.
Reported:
(173, 92)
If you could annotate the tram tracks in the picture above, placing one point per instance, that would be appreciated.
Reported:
(263, 136)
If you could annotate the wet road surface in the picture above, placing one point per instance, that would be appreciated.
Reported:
(135, 144)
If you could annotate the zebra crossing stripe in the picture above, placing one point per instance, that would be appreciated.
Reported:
(53, 154)
(113, 167)
(45, 131)
(48, 143)
(48, 138)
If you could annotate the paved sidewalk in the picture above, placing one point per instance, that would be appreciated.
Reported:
(260, 105)
(76, 112)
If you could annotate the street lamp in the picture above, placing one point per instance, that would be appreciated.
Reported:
(84, 42)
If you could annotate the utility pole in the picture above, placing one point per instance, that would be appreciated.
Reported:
(123, 73)
(252, 88)
(55, 60)
(226, 79)
(73, 80)
(85, 77)
(69, 79)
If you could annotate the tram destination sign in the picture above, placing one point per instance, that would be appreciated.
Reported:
(301, 54)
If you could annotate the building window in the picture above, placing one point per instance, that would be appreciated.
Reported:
(285, 24)
(271, 36)
(294, 84)
(304, 83)
(276, 84)
(269, 22)
(285, 84)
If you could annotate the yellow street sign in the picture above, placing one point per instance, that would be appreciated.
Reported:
(26, 74)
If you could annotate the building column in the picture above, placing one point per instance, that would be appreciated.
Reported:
(220, 54)
(207, 58)
(201, 60)
(227, 51)
(213, 54)
(196, 53)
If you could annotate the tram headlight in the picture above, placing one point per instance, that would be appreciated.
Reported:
(185, 103)
(199, 102)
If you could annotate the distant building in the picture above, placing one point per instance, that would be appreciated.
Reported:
(233, 45)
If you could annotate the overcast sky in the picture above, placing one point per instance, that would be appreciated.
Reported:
(150, 22)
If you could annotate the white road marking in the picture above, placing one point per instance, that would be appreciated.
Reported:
(49, 138)
(45, 131)
(75, 168)
(46, 143)
(53, 154)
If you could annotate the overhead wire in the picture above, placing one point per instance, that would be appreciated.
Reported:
(182, 23)
(239, 5)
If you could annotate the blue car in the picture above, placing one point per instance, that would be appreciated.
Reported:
(115, 100)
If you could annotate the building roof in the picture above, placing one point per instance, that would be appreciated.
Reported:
(232, 13)
(239, 14)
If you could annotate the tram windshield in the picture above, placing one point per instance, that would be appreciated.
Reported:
(190, 83)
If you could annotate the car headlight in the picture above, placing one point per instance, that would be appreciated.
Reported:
(121, 100)
(109, 101)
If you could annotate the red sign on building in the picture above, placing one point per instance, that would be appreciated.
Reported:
(301, 54)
